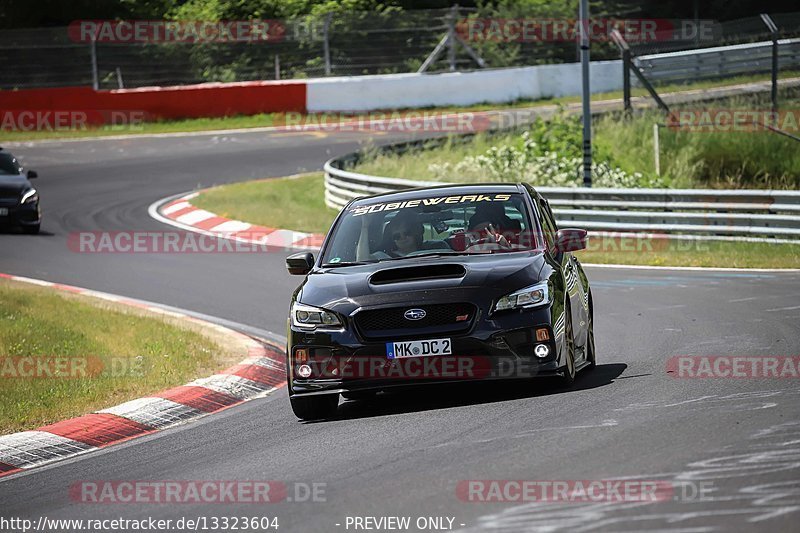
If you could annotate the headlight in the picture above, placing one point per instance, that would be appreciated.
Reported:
(308, 317)
(29, 197)
(533, 296)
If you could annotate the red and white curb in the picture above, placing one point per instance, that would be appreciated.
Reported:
(261, 372)
(180, 212)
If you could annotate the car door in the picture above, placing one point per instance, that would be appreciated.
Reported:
(571, 270)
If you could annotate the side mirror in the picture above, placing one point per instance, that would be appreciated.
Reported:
(300, 264)
(32, 174)
(571, 240)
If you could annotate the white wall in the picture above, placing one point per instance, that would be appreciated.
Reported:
(394, 91)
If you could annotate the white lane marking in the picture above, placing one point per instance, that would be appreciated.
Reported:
(154, 412)
(33, 281)
(33, 448)
(231, 226)
(665, 307)
(742, 300)
(688, 401)
(193, 217)
(697, 269)
(783, 309)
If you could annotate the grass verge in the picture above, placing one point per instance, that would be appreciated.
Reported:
(87, 355)
(273, 119)
(549, 153)
(297, 202)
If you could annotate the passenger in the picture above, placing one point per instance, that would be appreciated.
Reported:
(494, 213)
(491, 224)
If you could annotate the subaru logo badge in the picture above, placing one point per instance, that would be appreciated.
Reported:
(415, 314)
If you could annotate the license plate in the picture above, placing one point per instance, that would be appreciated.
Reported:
(397, 350)
(3, 211)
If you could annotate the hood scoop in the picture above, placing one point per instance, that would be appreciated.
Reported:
(417, 273)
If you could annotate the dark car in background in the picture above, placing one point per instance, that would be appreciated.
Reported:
(435, 285)
(19, 200)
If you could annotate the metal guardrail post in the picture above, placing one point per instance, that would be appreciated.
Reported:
(93, 55)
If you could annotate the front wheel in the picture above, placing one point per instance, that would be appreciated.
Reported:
(591, 355)
(316, 407)
(568, 370)
(33, 229)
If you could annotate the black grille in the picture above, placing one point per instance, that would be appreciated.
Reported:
(438, 318)
(9, 193)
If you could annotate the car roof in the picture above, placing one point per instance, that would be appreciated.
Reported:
(456, 189)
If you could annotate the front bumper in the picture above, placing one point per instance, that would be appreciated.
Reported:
(497, 348)
(20, 214)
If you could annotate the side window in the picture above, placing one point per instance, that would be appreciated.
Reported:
(548, 224)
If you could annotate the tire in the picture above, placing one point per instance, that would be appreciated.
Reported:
(31, 230)
(315, 407)
(591, 354)
(569, 342)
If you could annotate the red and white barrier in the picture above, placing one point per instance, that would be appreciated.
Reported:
(355, 93)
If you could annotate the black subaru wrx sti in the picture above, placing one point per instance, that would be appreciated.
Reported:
(434, 285)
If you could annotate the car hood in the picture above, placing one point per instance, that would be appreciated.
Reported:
(474, 278)
(12, 186)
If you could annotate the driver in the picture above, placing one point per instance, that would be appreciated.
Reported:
(403, 235)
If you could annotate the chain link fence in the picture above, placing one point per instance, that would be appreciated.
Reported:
(333, 45)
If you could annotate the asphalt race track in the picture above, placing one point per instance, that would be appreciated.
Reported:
(404, 454)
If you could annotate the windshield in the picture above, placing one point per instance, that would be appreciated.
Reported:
(433, 225)
(9, 165)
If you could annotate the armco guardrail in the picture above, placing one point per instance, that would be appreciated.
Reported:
(768, 215)
(718, 62)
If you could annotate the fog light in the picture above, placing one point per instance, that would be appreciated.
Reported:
(304, 371)
(301, 355)
(541, 351)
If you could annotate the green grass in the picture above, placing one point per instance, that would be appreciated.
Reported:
(275, 202)
(117, 356)
(690, 253)
(689, 159)
(272, 119)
